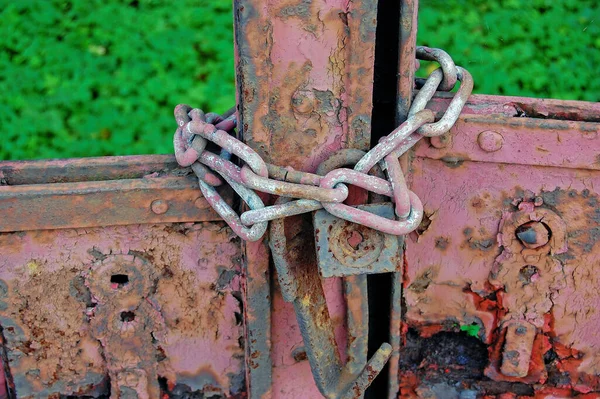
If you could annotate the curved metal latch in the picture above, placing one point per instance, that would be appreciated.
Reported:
(300, 284)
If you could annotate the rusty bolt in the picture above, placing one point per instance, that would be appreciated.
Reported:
(303, 101)
(355, 245)
(533, 234)
(441, 141)
(159, 207)
(201, 203)
(355, 239)
(490, 141)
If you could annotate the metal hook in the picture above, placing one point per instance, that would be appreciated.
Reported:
(301, 285)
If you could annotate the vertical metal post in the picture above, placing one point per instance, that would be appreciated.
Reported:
(406, 59)
(305, 89)
(257, 282)
(406, 76)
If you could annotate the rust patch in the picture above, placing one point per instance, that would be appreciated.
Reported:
(564, 112)
(421, 283)
(428, 218)
(125, 305)
(442, 243)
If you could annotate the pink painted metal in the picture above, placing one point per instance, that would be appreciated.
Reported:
(393, 141)
(446, 64)
(480, 258)
(116, 276)
(304, 91)
(114, 201)
(58, 285)
(400, 189)
(378, 186)
(452, 111)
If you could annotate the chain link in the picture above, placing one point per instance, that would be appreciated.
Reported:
(312, 191)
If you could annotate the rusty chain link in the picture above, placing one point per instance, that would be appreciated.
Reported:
(312, 191)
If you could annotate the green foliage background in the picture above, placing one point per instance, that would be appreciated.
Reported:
(101, 77)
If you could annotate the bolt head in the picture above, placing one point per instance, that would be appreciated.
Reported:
(355, 245)
(159, 207)
(490, 141)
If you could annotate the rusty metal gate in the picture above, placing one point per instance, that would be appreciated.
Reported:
(126, 277)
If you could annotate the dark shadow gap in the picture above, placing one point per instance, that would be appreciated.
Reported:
(383, 122)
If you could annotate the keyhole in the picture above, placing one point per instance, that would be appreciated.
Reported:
(127, 317)
(119, 280)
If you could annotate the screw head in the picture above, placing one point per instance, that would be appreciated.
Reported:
(490, 141)
(159, 207)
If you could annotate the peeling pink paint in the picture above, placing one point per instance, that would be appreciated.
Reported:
(454, 260)
(192, 290)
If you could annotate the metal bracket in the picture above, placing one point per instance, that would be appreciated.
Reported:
(346, 249)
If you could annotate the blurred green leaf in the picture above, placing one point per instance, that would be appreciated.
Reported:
(540, 48)
(101, 77)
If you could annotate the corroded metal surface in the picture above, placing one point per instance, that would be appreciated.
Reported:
(304, 78)
(108, 191)
(506, 250)
(567, 144)
(345, 249)
(405, 73)
(104, 203)
(306, 64)
(300, 284)
(82, 309)
(406, 57)
(84, 169)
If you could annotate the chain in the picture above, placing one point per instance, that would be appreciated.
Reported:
(312, 191)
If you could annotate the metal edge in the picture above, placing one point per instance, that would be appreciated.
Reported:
(104, 203)
(257, 281)
(84, 169)
(406, 74)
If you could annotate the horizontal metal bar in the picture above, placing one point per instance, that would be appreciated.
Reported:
(83, 169)
(519, 141)
(105, 203)
(522, 107)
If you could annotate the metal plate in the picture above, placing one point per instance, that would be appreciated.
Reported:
(468, 269)
(346, 249)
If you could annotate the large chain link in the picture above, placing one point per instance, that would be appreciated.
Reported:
(312, 191)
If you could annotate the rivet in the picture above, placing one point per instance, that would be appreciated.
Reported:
(303, 101)
(442, 141)
(159, 207)
(201, 203)
(490, 141)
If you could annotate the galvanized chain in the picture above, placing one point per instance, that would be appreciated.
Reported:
(312, 191)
